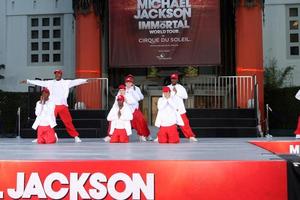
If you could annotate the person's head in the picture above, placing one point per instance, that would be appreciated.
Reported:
(58, 74)
(174, 79)
(129, 81)
(45, 94)
(122, 89)
(120, 100)
(166, 91)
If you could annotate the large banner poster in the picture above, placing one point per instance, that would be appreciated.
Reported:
(164, 33)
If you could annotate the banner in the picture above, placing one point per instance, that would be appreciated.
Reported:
(211, 180)
(164, 33)
(279, 147)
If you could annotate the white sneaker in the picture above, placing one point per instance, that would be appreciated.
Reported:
(142, 139)
(156, 139)
(107, 139)
(149, 138)
(298, 136)
(34, 141)
(77, 139)
(56, 137)
(193, 139)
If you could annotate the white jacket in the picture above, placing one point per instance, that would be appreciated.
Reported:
(126, 117)
(298, 95)
(44, 115)
(130, 100)
(168, 112)
(136, 94)
(181, 94)
(59, 90)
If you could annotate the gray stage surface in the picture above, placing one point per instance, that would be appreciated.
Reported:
(97, 149)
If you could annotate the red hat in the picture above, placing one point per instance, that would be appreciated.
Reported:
(130, 75)
(174, 76)
(121, 98)
(166, 89)
(129, 79)
(122, 87)
(58, 71)
(45, 90)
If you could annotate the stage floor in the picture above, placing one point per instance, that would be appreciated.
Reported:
(97, 149)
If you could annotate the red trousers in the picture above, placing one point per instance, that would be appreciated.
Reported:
(46, 135)
(139, 123)
(168, 134)
(297, 131)
(119, 136)
(65, 116)
(186, 128)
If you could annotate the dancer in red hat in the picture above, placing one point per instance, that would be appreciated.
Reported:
(180, 92)
(138, 122)
(45, 119)
(168, 118)
(119, 117)
(297, 131)
(59, 92)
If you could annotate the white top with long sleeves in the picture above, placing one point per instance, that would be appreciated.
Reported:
(181, 94)
(123, 121)
(130, 100)
(59, 90)
(298, 95)
(44, 114)
(136, 95)
(168, 114)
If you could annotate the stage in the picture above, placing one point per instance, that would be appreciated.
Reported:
(212, 168)
(97, 149)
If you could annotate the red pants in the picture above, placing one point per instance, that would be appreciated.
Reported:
(297, 131)
(168, 134)
(139, 123)
(186, 128)
(65, 116)
(46, 135)
(119, 136)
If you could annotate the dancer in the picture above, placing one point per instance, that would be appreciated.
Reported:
(59, 92)
(297, 131)
(180, 92)
(45, 119)
(168, 118)
(119, 117)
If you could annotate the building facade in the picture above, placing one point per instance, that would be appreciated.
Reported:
(36, 37)
(281, 32)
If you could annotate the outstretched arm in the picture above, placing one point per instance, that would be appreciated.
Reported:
(76, 82)
(36, 82)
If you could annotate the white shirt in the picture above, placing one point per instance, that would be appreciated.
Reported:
(298, 95)
(181, 94)
(45, 114)
(59, 90)
(123, 121)
(130, 100)
(168, 114)
(135, 93)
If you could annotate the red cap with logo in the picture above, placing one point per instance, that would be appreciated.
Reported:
(58, 71)
(121, 98)
(45, 90)
(129, 79)
(174, 76)
(166, 89)
(122, 87)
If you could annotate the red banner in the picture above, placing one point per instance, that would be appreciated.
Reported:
(210, 180)
(164, 33)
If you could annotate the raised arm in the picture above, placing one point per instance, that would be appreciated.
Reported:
(162, 102)
(37, 82)
(181, 92)
(139, 93)
(112, 115)
(38, 108)
(76, 82)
